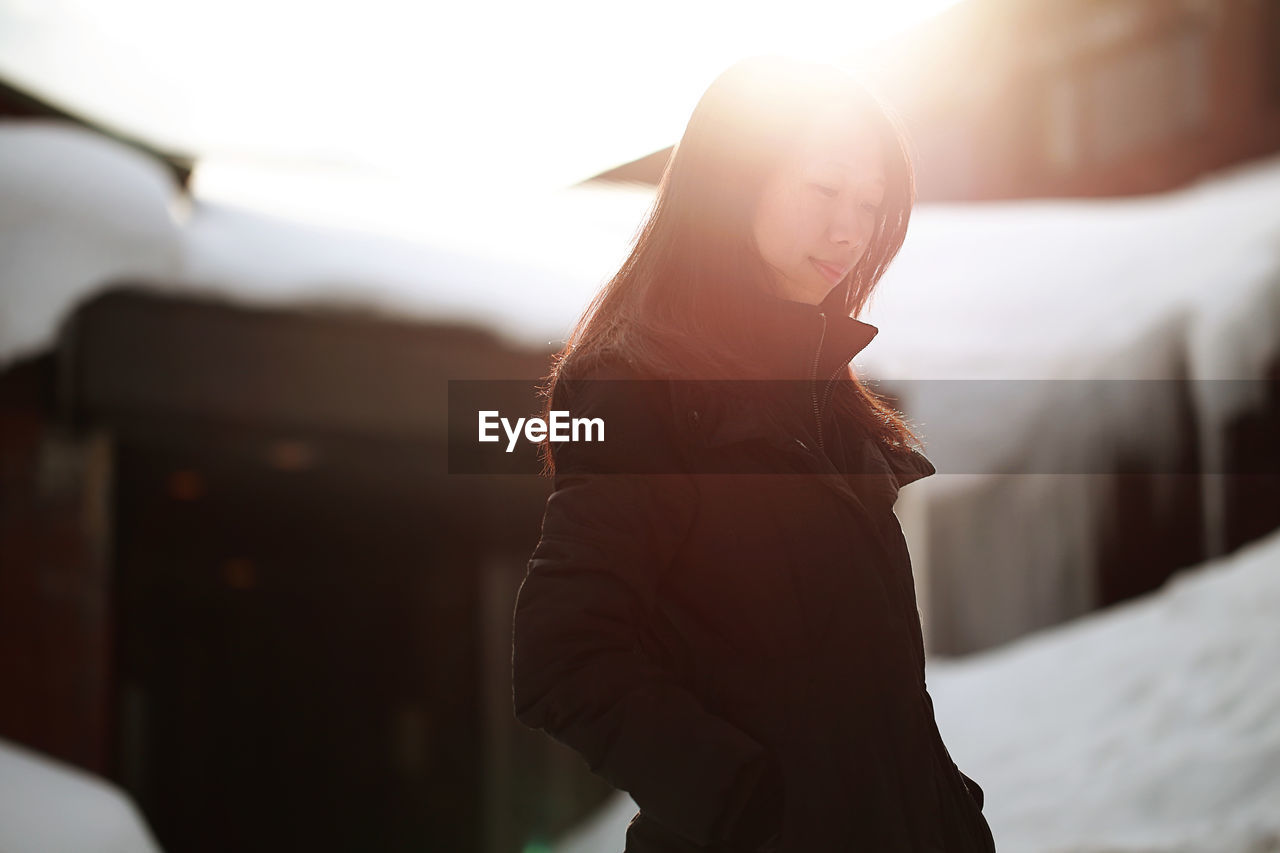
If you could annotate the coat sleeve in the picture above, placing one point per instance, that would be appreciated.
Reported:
(975, 790)
(611, 526)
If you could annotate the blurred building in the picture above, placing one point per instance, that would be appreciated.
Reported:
(1038, 98)
(236, 576)
(239, 581)
(1086, 98)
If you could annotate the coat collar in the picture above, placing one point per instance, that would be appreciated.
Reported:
(791, 334)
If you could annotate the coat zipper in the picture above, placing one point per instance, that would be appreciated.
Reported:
(813, 381)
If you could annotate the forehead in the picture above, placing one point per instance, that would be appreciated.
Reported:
(844, 145)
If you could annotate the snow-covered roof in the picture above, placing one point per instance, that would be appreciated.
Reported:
(1030, 289)
(82, 211)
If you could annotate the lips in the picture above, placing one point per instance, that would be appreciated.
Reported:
(833, 274)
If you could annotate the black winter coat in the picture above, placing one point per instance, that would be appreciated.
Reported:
(720, 615)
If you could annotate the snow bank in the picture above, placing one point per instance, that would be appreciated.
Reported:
(49, 807)
(1153, 725)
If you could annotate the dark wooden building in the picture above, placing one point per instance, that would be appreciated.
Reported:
(240, 578)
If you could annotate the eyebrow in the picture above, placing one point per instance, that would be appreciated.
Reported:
(879, 180)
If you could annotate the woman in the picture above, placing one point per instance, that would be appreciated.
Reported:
(720, 615)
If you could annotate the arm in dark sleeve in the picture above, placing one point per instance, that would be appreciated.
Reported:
(578, 670)
(974, 790)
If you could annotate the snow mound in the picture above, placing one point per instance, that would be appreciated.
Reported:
(50, 807)
(78, 210)
(1152, 725)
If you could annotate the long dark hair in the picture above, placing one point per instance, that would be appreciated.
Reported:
(674, 307)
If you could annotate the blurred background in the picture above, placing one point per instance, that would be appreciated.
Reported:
(245, 247)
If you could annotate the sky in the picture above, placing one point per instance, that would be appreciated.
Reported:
(459, 96)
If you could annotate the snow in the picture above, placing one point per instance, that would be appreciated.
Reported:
(50, 807)
(1151, 726)
(254, 259)
(1062, 282)
(80, 210)
(77, 209)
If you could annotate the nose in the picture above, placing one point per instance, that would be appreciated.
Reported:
(847, 228)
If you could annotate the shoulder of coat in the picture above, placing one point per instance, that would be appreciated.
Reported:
(612, 382)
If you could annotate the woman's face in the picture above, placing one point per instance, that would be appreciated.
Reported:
(819, 210)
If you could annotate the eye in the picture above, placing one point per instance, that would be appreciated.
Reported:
(870, 207)
(826, 190)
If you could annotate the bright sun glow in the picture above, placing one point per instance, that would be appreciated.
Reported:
(537, 93)
(328, 110)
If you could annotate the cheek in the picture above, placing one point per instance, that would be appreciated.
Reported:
(797, 226)
(775, 228)
(788, 225)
